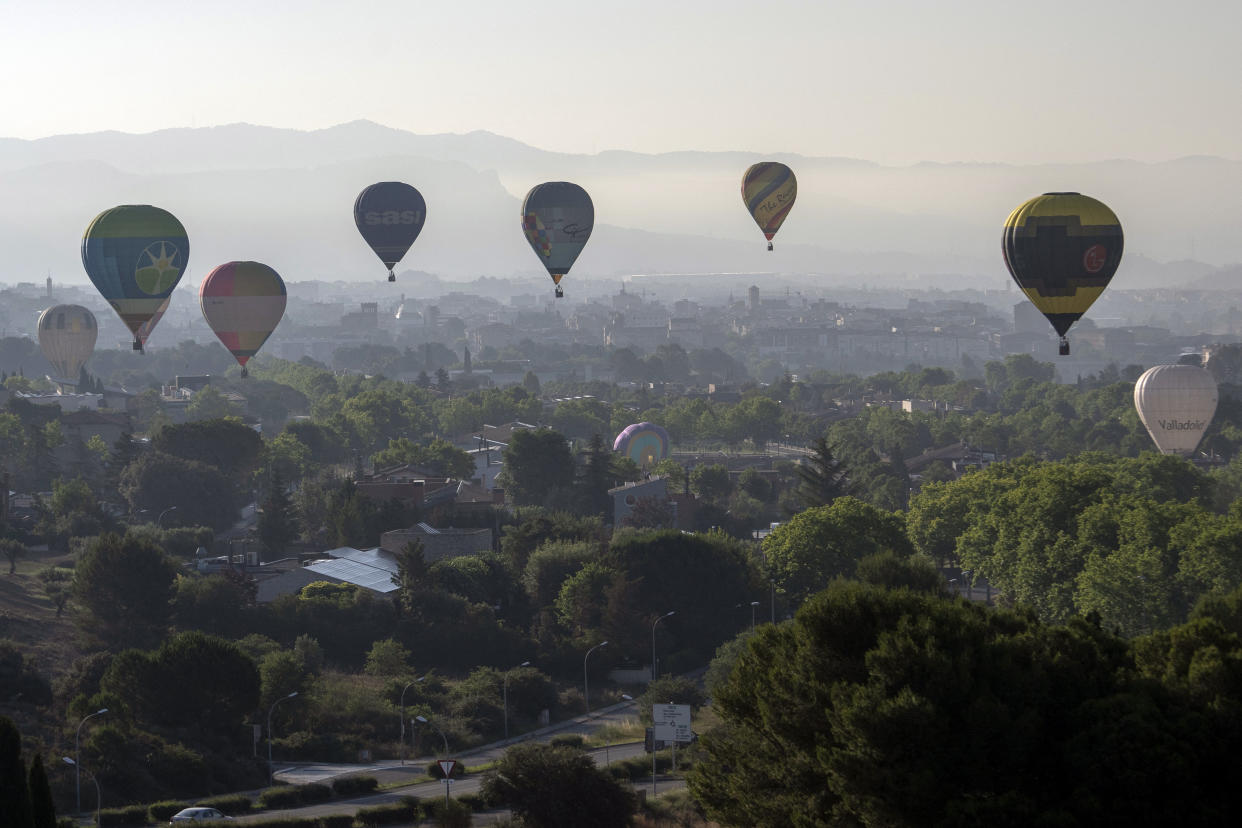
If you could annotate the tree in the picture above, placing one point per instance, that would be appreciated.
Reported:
(202, 494)
(885, 707)
(14, 789)
(826, 542)
(443, 384)
(43, 806)
(226, 444)
(531, 383)
(13, 552)
(711, 482)
(557, 787)
(538, 467)
(278, 523)
(387, 658)
(550, 565)
(125, 585)
(209, 404)
(595, 479)
(822, 478)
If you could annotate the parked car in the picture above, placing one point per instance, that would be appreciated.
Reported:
(196, 815)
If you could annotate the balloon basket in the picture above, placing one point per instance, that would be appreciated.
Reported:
(137, 346)
(392, 277)
(560, 292)
(245, 373)
(1064, 349)
(769, 247)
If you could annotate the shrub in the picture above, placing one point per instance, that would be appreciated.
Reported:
(127, 817)
(573, 740)
(474, 802)
(286, 796)
(337, 821)
(287, 822)
(231, 804)
(450, 814)
(404, 811)
(161, 811)
(351, 785)
(314, 792)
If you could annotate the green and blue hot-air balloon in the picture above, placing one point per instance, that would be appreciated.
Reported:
(135, 254)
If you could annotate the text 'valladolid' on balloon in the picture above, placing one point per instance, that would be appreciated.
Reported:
(1176, 403)
(243, 302)
(390, 215)
(557, 218)
(1062, 249)
(135, 255)
(67, 336)
(769, 189)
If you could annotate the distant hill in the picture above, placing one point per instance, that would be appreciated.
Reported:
(284, 196)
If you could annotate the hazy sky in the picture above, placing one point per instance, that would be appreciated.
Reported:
(895, 82)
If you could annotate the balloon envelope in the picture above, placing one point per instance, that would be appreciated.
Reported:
(1176, 403)
(67, 336)
(144, 330)
(243, 302)
(557, 218)
(135, 255)
(644, 443)
(769, 189)
(1062, 249)
(390, 215)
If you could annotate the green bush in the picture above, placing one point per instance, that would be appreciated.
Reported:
(314, 792)
(231, 804)
(404, 811)
(450, 814)
(573, 740)
(337, 821)
(127, 817)
(352, 785)
(161, 811)
(286, 796)
(474, 802)
(287, 822)
(636, 767)
(66, 822)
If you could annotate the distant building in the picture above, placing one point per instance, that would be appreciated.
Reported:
(439, 543)
(370, 569)
(625, 498)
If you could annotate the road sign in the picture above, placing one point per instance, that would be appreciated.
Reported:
(664, 732)
(677, 717)
(447, 766)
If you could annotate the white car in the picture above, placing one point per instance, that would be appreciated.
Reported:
(197, 815)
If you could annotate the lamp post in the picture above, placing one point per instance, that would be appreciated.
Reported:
(523, 664)
(753, 604)
(77, 754)
(403, 689)
(586, 685)
(160, 520)
(77, 768)
(424, 720)
(271, 775)
(654, 671)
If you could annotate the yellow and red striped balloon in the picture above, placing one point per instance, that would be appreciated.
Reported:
(243, 302)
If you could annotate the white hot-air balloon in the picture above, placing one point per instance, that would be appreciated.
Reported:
(67, 338)
(1176, 403)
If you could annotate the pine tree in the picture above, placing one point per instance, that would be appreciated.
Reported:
(596, 478)
(124, 452)
(466, 360)
(278, 525)
(14, 790)
(823, 477)
(423, 381)
(41, 802)
(443, 383)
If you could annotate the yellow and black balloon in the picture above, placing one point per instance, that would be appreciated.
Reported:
(769, 190)
(1062, 249)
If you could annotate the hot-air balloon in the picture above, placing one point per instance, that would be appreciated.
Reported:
(144, 330)
(1176, 403)
(769, 189)
(1062, 249)
(390, 216)
(67, 336)
(135, 255)
(644, 443)
(557, 218)
(243, 303)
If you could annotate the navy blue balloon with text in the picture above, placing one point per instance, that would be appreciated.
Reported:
(390, 216)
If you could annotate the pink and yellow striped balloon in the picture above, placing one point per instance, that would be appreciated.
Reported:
(243, 303)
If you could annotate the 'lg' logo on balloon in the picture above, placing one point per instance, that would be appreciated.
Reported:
(1095, 257)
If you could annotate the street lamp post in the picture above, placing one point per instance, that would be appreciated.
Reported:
(77, 754)
(98, 796)
(160, 520)
(403, 689)
(753, 604)
(654, 671)
(586, 682)
(523, 664)
(271, 775)
(424, 720)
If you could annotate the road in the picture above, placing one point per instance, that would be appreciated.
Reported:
(391, 772)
